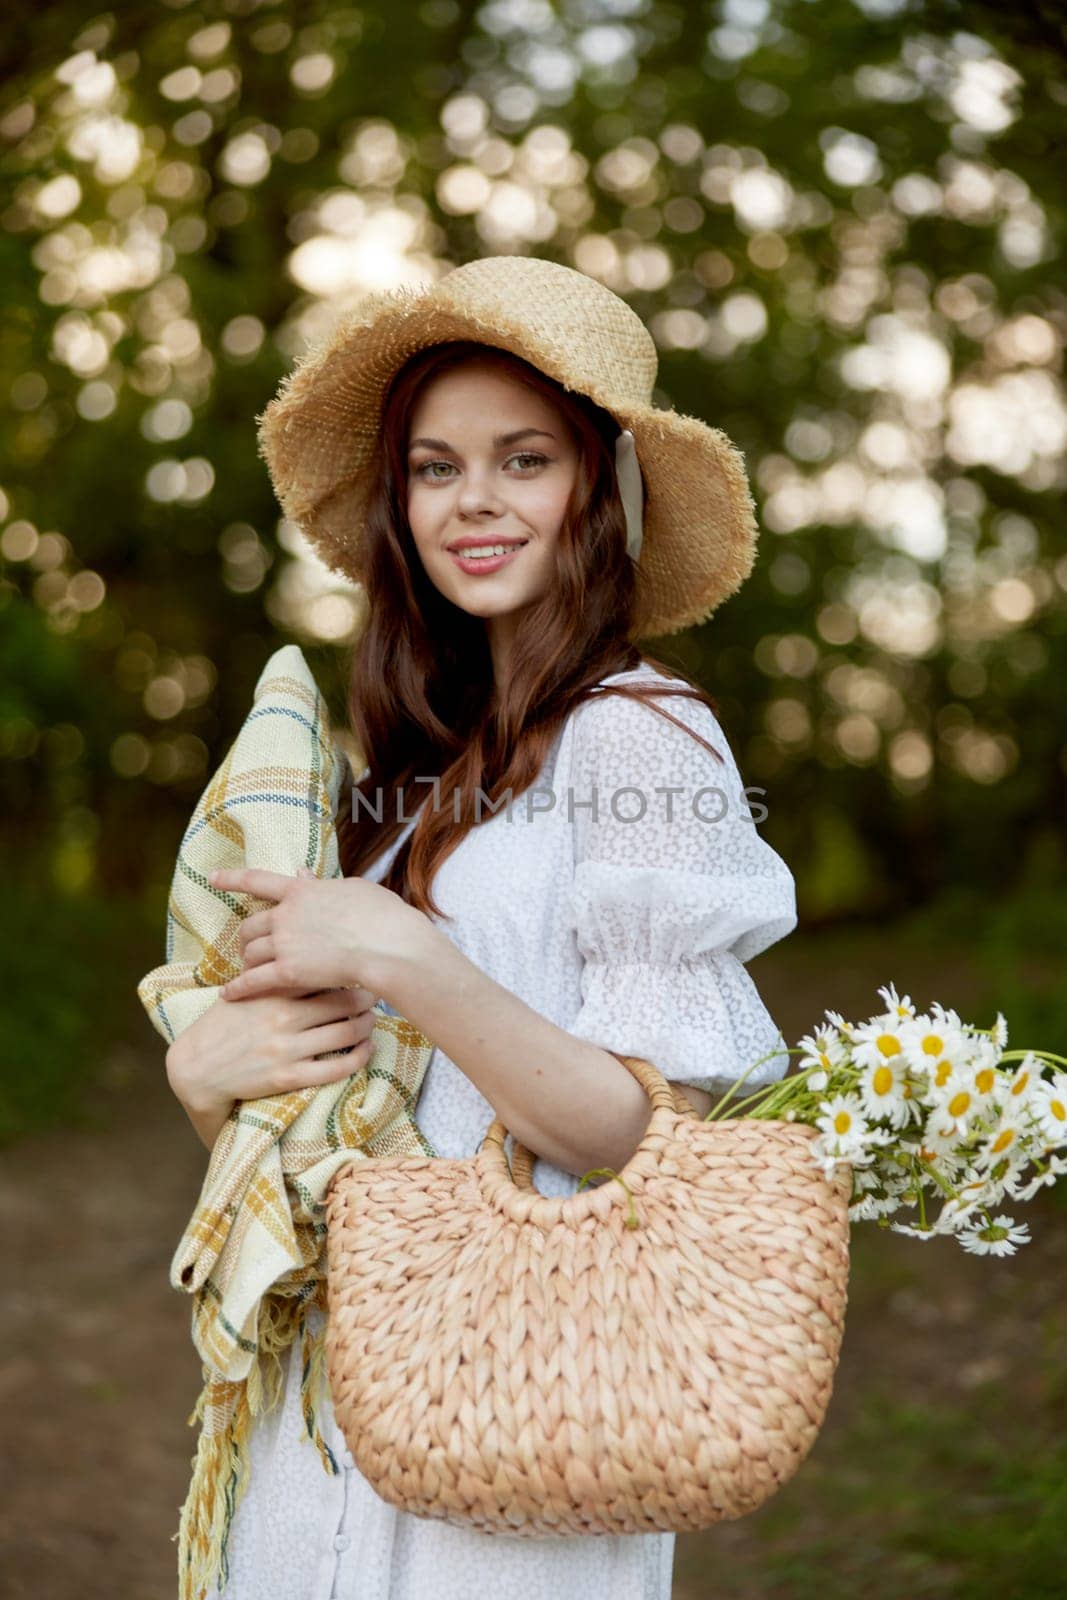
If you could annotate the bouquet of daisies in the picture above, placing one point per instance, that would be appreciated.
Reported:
(926, 1109)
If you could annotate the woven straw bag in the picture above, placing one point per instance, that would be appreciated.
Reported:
(536, 1364)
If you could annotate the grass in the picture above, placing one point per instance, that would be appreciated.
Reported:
(913, 1501)
(941, 1470)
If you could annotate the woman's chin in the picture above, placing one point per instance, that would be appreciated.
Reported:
(481, 597)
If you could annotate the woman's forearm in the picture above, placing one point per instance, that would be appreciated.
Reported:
(567, 1100)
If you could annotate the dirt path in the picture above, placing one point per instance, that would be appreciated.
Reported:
(98, 1376)
(98, 1373)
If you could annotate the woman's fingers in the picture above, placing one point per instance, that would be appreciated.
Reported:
(337, 1036)
(258, 950)
(333, 1005)
(255, 926)
(251, 880)
(253, 981)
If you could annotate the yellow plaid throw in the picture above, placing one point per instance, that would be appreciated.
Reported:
(253, 1254)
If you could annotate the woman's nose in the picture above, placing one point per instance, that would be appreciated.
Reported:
(477, 492)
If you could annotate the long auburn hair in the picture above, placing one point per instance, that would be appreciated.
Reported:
(422, 699)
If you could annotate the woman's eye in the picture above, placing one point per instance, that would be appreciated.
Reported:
(533, 457)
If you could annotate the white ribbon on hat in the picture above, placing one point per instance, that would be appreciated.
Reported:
(628, 476)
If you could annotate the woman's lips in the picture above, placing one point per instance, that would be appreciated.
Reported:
(476, 565)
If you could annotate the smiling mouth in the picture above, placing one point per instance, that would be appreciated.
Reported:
(488, 551)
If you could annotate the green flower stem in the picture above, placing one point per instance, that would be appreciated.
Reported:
(780, 1096)
(942, 1183)
(1043, 1055)
(783, 1097)
(714, 1112)
(608, 1172)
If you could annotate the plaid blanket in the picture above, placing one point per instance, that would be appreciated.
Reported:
(253, 1256)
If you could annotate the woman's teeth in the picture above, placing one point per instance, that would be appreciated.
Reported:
(475, 552)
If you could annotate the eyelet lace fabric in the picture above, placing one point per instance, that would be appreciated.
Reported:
(673, 891)
(625, 917)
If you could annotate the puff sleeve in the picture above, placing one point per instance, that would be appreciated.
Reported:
(673, 891)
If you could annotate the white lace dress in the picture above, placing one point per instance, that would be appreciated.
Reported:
(629, 928)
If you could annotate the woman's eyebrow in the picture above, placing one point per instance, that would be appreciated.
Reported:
(499, 441)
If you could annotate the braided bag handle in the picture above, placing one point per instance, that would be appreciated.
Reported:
(650, 1079)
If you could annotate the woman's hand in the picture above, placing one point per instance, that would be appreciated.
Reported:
(269, 1046)
(319, 931)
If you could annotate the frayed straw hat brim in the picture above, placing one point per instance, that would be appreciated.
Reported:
(319, 435)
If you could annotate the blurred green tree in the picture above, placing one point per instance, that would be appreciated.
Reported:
(843, 223)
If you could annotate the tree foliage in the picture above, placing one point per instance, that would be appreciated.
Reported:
(843, 223)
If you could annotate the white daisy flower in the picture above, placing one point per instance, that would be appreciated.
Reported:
(884, 1090)
(997, 1238)
(983, 1185)
(1021, 1096)
(824, 1050)
(872, 1206)
(940, 1071)
(1050, 1108)
(1003, 1142)
(954, 1104)
(988, 1082)
(1025, 1083)
(935, 1041)
(1040, 1180)
(898, 1008)
(1011, 1182)
(823, 1156)
(949, 1019)
(914, 1230)
(954, 1216)
(844, 1028)
(880, 1039)
(843, 1125)
(1005, 1174)
(865, 1178)
(999, 1032)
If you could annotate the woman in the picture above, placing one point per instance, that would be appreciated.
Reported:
(549, 861)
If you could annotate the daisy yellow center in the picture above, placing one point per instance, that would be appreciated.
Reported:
(1002, 1141)
(984, 1080)
(888, 1044)
(932, 1044)
(825, 1059)
(959, 1103)
(907, 1091)
(1058, 1109)
(842, 1122)
(1020, 1083)
(943, 1070)
(882, 1081)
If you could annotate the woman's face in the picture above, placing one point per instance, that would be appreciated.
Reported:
(490, 463)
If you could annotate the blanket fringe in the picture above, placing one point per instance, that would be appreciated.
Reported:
(221, 1466)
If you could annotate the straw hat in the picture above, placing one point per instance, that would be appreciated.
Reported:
(319, 434)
